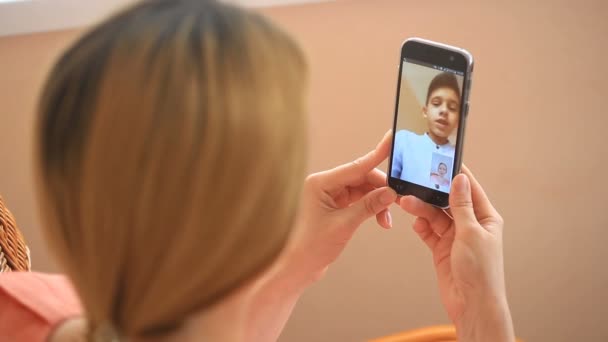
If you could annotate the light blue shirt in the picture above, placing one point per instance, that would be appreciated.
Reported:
(413, 158)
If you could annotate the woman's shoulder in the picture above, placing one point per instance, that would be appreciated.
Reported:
(46, 293)
(35, 304)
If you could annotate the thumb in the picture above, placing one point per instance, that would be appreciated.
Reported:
(461, 203)
(369, 205)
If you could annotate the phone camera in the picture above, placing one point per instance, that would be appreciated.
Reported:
(451, 58)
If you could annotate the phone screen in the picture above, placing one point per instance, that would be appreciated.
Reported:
(429, 107)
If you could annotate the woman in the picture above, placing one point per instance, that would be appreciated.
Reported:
(171, 149)
(439, 178)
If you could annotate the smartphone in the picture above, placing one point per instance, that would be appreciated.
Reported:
(431, 111)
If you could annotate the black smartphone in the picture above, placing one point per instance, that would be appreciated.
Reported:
(430, 116)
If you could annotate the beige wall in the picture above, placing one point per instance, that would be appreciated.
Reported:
(24, 61)
(536, 139)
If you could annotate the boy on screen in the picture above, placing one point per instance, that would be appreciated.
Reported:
(412, 155)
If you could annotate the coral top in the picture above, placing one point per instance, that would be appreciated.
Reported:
(33, 304)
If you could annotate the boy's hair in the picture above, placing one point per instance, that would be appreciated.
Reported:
(443, 80)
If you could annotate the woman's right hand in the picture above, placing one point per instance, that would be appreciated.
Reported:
(468, 259)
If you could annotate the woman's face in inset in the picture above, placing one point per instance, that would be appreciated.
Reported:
(442, 112)
(442, 169)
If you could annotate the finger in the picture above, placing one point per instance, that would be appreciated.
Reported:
(356, 193)
(437, 219)
(423, 229)
(376, 177)
(384, 219)
(461, 204)
(487, 215)
(355, 173)
(482, 205)
(371, 204)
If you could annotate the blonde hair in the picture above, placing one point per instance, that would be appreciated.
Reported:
(171, 151)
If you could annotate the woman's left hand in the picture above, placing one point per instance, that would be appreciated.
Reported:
(334, 204)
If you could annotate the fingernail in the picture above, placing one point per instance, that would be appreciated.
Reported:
(462, 186)
(389, 218)
(389, 132)
(388, 196)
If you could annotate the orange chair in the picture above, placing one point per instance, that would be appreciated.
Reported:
(14, 255)
(437, 333)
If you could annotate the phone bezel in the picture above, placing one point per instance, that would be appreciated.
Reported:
(446, 56)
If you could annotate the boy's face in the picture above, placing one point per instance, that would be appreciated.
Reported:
(442, 111)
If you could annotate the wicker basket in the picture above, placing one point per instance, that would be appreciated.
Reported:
(14, 255)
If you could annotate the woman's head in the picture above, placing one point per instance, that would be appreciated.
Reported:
(171, 149)
(442, 169)
(442, 108)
